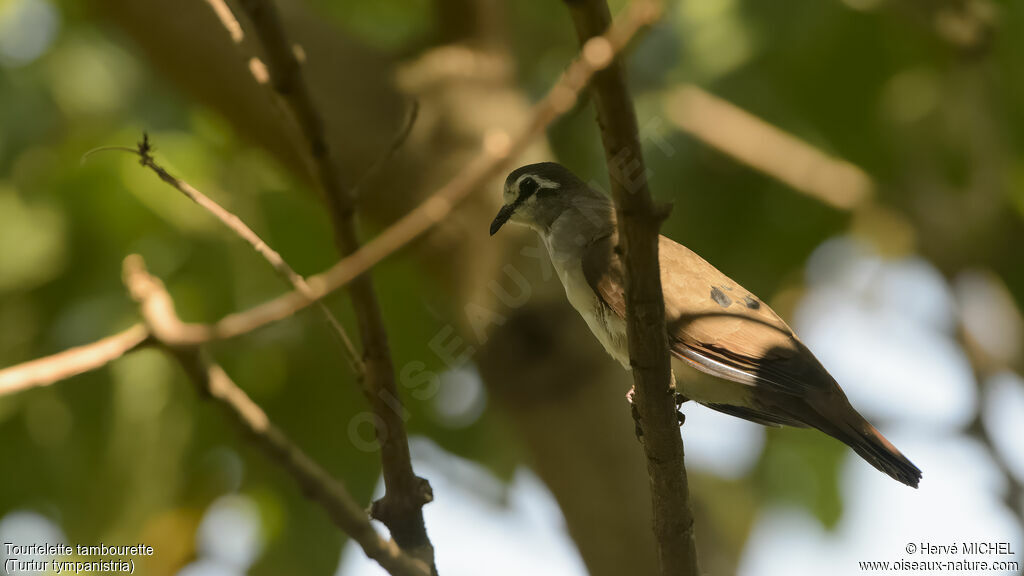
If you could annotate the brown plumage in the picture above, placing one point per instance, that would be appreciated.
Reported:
(718, 327)
(713, 323)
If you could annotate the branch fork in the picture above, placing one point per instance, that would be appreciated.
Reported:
(159, 316)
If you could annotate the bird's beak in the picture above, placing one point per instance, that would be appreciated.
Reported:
(503, 215)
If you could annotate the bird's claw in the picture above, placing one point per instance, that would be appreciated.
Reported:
(680, 399)
(677, 397)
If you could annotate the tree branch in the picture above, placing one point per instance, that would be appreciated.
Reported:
(639, 220)
(401, 508)
(72, 362)
(768, 149)
(495, 156)
(145, 153)
(158, 312)
(983, 370)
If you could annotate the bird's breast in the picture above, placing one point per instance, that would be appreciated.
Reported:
(609, 329)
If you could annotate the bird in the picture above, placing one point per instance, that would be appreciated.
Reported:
(765, 374)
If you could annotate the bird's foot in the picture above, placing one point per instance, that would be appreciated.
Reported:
(677, 397)
(680, 400)
(638, 430)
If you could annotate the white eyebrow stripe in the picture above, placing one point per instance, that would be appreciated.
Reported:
(541, 182)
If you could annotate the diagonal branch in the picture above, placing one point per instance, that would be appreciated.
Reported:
(768, 149)
(145, 153)
(494, 159)
(639, 220)
(72, 362)
(159, 315)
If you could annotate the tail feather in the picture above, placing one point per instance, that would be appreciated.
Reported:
(869, 443)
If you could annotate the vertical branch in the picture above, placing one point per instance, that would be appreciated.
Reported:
(639, 220)
(401, 508)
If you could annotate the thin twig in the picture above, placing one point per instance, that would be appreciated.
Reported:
(315, 482)
(71, 362)
(396, 145)
(227, 20)
(490, 163)
(638, 221)
(145, 153)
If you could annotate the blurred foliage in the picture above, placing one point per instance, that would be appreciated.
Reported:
(131, 450)
(387, 24)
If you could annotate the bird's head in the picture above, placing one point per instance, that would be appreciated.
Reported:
(536, 195)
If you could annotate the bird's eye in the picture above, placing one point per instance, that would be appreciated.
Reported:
(527, 187)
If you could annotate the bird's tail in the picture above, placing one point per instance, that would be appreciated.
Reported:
(857, 433)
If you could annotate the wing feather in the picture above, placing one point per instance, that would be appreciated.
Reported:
(713, 323)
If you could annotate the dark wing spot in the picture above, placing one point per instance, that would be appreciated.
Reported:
(751, 303)
(718, 296)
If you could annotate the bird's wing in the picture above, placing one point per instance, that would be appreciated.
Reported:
(713, 323)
